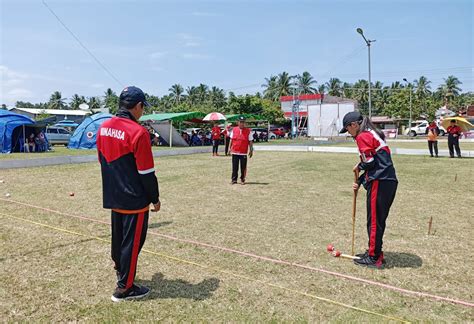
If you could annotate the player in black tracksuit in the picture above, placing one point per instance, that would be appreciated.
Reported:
(379, 179)
(129, 187)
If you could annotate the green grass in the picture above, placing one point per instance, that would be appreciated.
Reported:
(407, 144)
(297, 204)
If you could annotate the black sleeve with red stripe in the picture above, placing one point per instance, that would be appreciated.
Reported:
(145, 166)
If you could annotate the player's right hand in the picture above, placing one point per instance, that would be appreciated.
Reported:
(355, 186)
(156, 207)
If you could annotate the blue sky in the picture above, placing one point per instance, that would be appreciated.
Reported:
(231, 44)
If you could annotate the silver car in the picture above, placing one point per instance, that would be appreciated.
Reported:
(58, 135)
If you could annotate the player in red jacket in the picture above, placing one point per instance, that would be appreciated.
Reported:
(379, 180)
(129, 186)
(240, 146)
(454, 132)
(216, 137)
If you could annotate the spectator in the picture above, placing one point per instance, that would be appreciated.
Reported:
(216, 137)
(255, 136)
(454, 132)
(31, 143)
(433, 131)
(40, 141)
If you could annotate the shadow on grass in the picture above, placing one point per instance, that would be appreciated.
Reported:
(402, 260)
(257, 183)
(160, 224)
(178, 288)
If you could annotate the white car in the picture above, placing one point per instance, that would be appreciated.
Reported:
(419, 128)
(58, 135)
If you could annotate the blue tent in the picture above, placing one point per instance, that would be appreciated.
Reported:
(85, 135)
(13, 130)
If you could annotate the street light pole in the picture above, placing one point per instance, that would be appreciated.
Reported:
(409, 121)
(368, 42)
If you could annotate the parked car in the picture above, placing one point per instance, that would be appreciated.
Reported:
(266, 135)
(57, 135)
(419, 128)
(278, 131)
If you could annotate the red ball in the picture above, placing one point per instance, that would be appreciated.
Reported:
(330, 247)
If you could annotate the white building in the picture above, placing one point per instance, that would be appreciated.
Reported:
(321, 114)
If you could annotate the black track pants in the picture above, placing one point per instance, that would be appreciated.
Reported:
(128, 236)
(433, 145)
(380, 196)
(215, 146)
(236, 159)
(453, 143)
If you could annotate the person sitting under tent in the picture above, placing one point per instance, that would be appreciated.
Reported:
(31, 143)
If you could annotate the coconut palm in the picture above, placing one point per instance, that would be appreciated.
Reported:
(202, 92)
(217, 97)
(94, 103)
(176, 92)
(284, 86)
(56, 101)
(111, 100)
(305, 83)
(270, 88)
(334, 86)
(76, 100)
(191, 93)
(321, 89)
(422, 87)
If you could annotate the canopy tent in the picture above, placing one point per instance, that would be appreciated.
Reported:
(85, 135)
(14, 129)
(193, 117)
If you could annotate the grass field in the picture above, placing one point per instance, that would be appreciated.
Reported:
(407, 144)
(294, 205)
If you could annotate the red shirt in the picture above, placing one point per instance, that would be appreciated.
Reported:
(240, 140)
(454, 130)
(216, 132)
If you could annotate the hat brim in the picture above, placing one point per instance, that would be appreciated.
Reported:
(343, 130)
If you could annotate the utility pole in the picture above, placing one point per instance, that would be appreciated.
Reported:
(368, 42)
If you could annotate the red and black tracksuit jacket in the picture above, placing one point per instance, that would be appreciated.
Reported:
(381, 183)
(129, 185)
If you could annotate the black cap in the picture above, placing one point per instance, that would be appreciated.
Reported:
(241, 118)
(350, 117)
(133, 95)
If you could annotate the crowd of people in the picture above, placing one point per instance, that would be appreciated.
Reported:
(34, 143)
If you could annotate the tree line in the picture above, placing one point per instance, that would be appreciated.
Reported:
(390, 100)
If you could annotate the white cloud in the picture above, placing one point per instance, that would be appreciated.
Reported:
(195, 56)
(12, 87)
(97, 85)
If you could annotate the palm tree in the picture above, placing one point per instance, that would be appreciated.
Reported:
(76, 100)
(347, 91)
(321, 89)
(450, 88)
(191, 93)
(217, 97)
(396, 85)
(305, 83)
(334, 87)
(284, 86)
(422, 87)
(176, 92)
(56, 101)
(270, 88)
(111, 100)
(361, 94)
(201, 92)
(94, 103)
